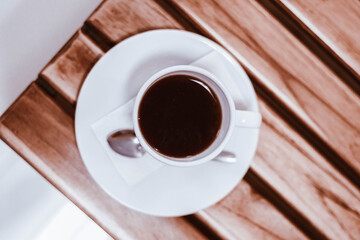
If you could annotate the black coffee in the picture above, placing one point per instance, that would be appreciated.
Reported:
(179, 116)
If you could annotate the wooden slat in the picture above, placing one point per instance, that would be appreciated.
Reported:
(245, 214)
(288, 71)
(323, 198)
(119, 19)
(250, 224)
(306, 180)
(37, 129)
(335, 23)
(44, 135)
(66, 72)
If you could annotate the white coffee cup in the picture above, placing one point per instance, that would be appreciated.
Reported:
(231, 117)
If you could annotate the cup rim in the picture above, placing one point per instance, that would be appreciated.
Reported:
(170, 160)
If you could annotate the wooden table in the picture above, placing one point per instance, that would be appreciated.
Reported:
(303, 57)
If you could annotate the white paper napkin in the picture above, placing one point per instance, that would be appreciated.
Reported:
(134, 170)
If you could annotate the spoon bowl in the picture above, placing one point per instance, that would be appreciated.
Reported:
(125, 142)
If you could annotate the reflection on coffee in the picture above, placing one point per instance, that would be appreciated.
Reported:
(179, 116)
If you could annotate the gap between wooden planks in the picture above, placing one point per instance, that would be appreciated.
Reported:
(313, 43)
(334, 23)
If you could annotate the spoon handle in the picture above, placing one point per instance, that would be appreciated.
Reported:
(225, 157)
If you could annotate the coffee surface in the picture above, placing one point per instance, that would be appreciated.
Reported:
(179, 116)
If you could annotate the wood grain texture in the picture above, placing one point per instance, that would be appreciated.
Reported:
(67, 71)
(119, 19)
(334, 23)
(297, 173)
(304, 178)
(39, 131)
(291, 73)
(245, 214)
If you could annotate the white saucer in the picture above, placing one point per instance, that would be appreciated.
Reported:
(114, 80)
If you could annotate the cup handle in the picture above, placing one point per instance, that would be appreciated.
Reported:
(247, 119)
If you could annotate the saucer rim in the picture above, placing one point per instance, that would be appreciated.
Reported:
(215, 47)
